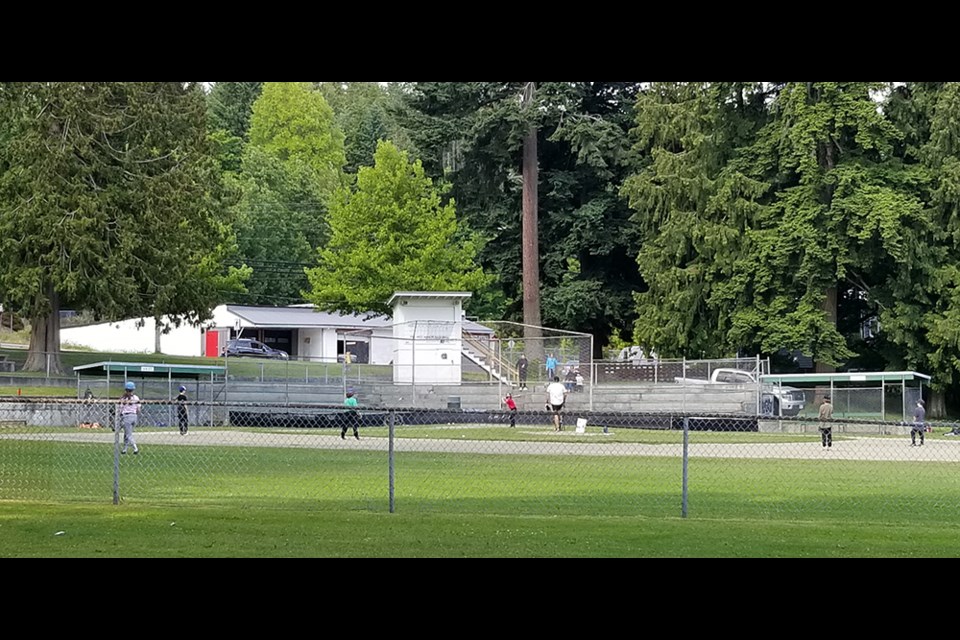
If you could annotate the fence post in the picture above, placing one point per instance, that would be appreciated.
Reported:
(686, 444)
(390, 458)
(684, 396)
(116, 453)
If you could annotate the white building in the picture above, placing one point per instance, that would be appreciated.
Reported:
(310, 335)
(427, 342)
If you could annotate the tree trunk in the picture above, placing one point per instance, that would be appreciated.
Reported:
(156, 335)
(531, 248)
(827, 161)
(44, 353)
(830, 309)
(936, 404)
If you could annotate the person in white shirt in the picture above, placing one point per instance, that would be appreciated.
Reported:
(556, 395)
(129, 411)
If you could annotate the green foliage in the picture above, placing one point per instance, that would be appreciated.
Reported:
(365, 113)
(230, 105)
(692, 211)
(111, 201)
(471, 134)
(293, 122)
(774, 216)
(280, 223)
(921, 316)
(391, 233)
(287, 174)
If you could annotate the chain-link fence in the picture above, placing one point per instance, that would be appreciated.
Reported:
(491, 461)
(648, 369)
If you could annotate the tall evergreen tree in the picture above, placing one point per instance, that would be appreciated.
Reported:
(109, 202)
(776, 217)
(366, 113)
(473, 134)
(230, 106)
(919, 322)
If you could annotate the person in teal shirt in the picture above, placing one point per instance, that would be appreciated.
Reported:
(551, 367)
(353, 416)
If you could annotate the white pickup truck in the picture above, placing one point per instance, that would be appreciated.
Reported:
(775, 399)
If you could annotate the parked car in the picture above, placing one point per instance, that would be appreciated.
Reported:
(252, 349)
(775, 398)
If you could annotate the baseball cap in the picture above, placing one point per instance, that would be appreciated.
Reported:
(129, 386)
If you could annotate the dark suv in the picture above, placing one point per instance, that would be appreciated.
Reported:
(252, 349)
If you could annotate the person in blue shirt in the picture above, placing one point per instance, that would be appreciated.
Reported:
(551, 367)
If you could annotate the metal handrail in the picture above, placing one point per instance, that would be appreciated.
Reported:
(504, 370)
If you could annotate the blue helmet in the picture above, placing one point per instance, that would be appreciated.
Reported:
(129, 386)
(182, 388)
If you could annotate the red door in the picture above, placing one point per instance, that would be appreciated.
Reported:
(212, 349)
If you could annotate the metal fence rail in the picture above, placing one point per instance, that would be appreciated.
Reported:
(311, 456)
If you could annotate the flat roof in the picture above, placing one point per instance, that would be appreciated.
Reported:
(287, 317)
(150, 369)
(459, 295)
(304, 317)
(847, 376)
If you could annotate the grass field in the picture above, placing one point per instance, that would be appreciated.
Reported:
(39, 392)
(29, 530)
(198, 501)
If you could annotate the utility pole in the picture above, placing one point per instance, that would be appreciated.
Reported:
(531, 245)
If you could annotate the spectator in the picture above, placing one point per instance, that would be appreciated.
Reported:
(522, 365)
(919, 416)
(578, 379)
(570, 379)
(551, 367)
(826, 429)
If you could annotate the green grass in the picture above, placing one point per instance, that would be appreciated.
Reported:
(239, 368)
(71, 359)
(28, 530)
(39, 392)
(179, 501)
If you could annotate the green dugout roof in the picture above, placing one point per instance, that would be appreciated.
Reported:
(148, 369)
(853, 376)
